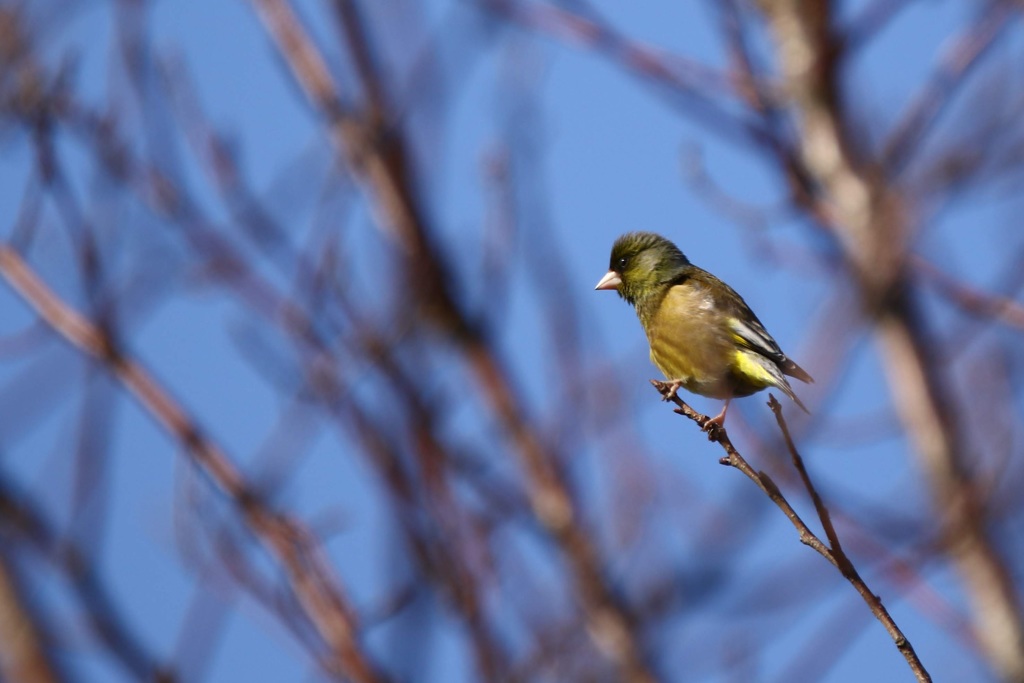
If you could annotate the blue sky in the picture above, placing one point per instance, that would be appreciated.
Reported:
(609, 157)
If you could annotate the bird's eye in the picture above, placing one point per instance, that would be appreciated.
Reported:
(623, 262)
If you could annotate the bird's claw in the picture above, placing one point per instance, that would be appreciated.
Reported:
(713, 427)
(718, 421)
(668, 389)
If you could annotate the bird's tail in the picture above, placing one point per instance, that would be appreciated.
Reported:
(764, 372)
(794, 370)
(788, 390)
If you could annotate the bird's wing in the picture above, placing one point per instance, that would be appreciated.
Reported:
(750, 333)
(747, 330)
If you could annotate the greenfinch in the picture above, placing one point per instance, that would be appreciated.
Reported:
(702, 335)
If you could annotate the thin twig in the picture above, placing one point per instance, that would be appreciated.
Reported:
(805, 477)
(842, 560)
(834, 554)
(869, 219)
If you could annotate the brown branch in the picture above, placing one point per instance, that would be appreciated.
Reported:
(937, 94)
(842, 560)
(591, 32)
(763, 100)
(319, 593)
(733, 458)
(868, 218)
(23, 652)
(439, 551)
(383, 175)
(30, 526)
(805, 478)
(969, 299)
(832, 552)
(702, 91)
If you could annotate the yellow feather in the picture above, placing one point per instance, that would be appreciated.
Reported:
(751, 370)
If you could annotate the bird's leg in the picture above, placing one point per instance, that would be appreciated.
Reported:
(720, 418)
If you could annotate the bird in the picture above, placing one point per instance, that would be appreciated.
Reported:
(702, 335)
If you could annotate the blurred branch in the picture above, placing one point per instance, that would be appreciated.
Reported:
(591, 32)
(871, 20)
(969, 299)
(833, 551)
(468, 444)
(868, 220)
(765, 97)
(23, 654)
(381, 165)
(27, 521)
(438, 551)
(699, 89)
(319, 593)
(965, 53)
(428, 511)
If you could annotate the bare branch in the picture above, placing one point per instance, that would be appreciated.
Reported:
(384, 177)
(832, 552)
(320, 594)
(969, 299)
(23, 654)
(869, 221)
(962, 57)
(32, 529)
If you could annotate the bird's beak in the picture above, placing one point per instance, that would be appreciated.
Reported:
(611, 280)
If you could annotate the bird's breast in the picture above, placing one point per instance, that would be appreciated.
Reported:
(689, 343)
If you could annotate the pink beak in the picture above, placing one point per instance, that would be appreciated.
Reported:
(611, 280)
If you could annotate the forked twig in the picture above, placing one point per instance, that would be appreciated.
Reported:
(833, 550)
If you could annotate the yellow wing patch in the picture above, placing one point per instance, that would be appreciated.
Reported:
(751, 370)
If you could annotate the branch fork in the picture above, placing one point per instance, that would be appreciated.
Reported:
(832, 550)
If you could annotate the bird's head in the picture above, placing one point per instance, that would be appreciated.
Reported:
(640, 263)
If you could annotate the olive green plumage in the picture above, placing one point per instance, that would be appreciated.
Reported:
(701, 332)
